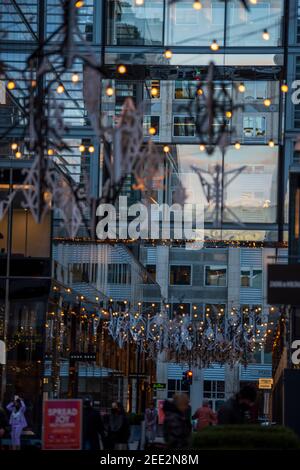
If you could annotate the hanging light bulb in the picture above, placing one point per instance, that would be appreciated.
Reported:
(81, 148)
(166, 149)
(284, 88)
(199, 91)
(254, 2)
(201, 147)
(197, 5)
(267, 102)
(154, 91)
(11, 85)
(139, 3)
(109, 91)
(60, 89)
(265, 35)
(237, 145)
(214, 46)
(18, 154)
(79, 3)
(168, 54)
(14, 146)
(91, 148)
(241, 88)
(152, 130)
(75, 78)
(228, 114)
(271, 143)
(121, 69)
(50, 152)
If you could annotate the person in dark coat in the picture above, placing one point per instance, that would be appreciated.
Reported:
(237, 410)
(177, 424)
(92, 427)
(3, 422)
(118, 427)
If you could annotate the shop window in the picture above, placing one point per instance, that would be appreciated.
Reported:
(251, 278)
(119, 273)
(180, 275)
(149, 123)
(183, 126)
(151, 269)
(215, 276)
(254, 126)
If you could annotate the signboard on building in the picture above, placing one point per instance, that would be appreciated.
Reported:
(265, 384)
(62, 422)
(284, 284)
(159, 386)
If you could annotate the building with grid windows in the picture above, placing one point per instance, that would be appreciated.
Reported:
(166, 48)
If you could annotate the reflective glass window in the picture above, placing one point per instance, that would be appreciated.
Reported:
(131, 24)
(245, 28)
(187, 26)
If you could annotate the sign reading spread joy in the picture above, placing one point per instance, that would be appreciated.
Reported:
(62, 424)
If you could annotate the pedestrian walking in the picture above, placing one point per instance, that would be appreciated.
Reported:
(93, 435)
(17, 421)
(237, 410)
(118, 427)
(205, 416)
(151, 417)
(177, 425)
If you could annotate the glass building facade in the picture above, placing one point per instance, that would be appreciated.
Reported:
(257, 53)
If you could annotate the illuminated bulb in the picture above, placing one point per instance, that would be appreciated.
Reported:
(266, 35)
(109, 91)
(139, 3)
(75, 78)
(91, 148)
(254, 2)
(199, 91)
(121, 69)
(18, 155)
(154, 91)
(79, 3)
(168, 54)
(81, 148)
(11, 85)
(202, 147)
(152, 130)
(197, 5)
(237, 146)
(166, 149)
(284, 88)
(60, 89)
(241, 88)
(214, 46)
(271, 143)
(33, 83)
(50, 152)
(267, 102)
(228, 114)
(14, 146)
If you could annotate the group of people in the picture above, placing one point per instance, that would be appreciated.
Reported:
(113, 430)
(16, 421)
(110, 432)
(177, 424)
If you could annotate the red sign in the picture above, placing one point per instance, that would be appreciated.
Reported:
(62, 424)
